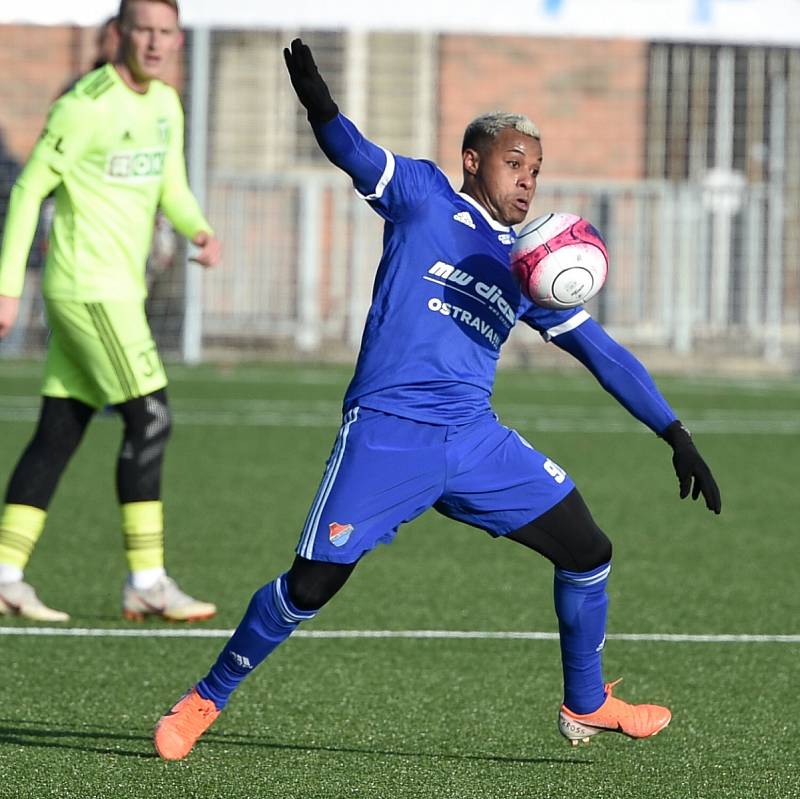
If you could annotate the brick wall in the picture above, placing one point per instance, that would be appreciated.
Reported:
(586, 95)
(36, 63)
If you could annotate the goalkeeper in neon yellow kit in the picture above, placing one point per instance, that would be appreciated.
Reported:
(112, 150)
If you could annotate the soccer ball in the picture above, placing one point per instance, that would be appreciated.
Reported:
(560, 260)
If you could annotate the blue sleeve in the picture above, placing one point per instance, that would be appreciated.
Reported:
(618, 372)
(394, 186)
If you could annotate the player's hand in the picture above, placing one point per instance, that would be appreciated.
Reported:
(311, 89)
(9, 308)
(210, 251)
(693, 472)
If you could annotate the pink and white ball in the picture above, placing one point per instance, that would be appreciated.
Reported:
(560, 260)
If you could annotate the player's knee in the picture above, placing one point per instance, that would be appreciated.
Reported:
(596, 551)
(148, 425)
(587, 546)
(309, 593)
(311, 584)
(567, 536)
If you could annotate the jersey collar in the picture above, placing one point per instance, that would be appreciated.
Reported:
(493, 223)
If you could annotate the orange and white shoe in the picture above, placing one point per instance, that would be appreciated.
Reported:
(614, 715)
(20, 599)
(166, 600)
(179, 728)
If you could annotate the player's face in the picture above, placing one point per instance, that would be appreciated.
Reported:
(150, 37)
(504, 173)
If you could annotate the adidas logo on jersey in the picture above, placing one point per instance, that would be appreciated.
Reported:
(465, 219)
(506, 238)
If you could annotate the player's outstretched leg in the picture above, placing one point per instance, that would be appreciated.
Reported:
(272, 616)
(614, 715)
(270, 619)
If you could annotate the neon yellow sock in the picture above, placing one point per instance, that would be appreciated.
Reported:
(143, 533)
(20, 528)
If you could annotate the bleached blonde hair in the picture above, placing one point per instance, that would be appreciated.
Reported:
(484, 128)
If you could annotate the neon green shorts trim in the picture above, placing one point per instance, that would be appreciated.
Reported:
(101, 353)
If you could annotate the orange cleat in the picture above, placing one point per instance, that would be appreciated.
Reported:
(614, 715)
(179, 728)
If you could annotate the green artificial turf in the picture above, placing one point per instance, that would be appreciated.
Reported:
(411, 717)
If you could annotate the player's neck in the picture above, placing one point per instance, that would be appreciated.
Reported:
(479, 197)
(135, 83)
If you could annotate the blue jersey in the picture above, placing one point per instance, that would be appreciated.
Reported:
(444, 299)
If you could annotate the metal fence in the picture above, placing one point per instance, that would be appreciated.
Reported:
(693, 268)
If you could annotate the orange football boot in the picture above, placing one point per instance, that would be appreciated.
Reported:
(614, 715)
(179, 728)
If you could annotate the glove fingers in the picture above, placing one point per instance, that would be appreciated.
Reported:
(695, 477)
(297, 57)
(712, 497)
(307, 60)
(705, 484)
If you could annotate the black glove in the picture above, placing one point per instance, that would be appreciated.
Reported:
(311, 90)
(689, 465)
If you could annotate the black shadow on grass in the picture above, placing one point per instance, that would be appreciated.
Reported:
(242, 740)
(41, 734)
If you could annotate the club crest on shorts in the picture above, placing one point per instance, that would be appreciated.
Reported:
(339, 533)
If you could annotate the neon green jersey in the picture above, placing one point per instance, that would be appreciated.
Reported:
(113, 157)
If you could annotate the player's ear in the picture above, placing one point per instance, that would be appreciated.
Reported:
(471, 160)
(116, 26)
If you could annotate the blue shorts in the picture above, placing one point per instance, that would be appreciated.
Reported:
(385, 470)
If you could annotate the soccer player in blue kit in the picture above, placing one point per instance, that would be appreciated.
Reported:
(418, 430)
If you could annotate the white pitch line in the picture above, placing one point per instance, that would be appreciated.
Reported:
(194, 632)
(778, 423)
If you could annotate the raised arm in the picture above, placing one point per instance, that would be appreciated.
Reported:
(340, 140)
(626, 379)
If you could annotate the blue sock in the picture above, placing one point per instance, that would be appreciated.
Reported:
(270, 619)
(581, 605)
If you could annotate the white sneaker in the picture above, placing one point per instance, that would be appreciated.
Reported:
(166, 600)
(19, 599)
